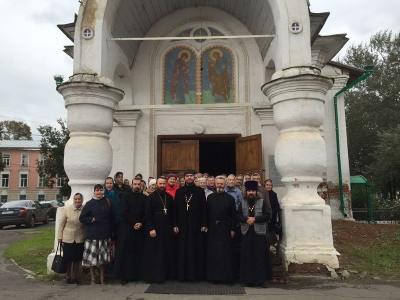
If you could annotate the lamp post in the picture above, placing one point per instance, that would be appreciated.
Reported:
(58, 79)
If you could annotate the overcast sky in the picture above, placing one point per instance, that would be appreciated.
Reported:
(31, 50)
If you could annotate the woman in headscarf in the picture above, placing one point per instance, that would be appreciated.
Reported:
(98, 217)
(273, 199)
(71, 233)
(112, 195)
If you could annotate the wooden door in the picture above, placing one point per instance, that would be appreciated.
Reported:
(249, 155)
(179, 155)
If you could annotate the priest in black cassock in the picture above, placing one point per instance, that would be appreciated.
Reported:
(221, 210)
(159, 258)
(255, 260)
(128, 262)
(190, 203)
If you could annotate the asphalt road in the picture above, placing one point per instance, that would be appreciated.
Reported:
(15, 283)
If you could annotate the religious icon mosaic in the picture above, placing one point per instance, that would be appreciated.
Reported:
(205, 78)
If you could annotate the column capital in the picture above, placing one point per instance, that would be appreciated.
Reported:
(340, 82)
(127, 117)
(94, 93)
(266, 114)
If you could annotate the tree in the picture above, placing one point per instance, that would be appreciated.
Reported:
(385, 169)
(373, 106)
(2, 165)
(52, 147)
(14, 130)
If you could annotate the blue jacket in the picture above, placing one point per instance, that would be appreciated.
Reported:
(235, 193)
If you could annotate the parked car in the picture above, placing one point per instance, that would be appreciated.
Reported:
(20, 212)
(52, 207)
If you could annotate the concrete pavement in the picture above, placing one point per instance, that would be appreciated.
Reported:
(18, 284)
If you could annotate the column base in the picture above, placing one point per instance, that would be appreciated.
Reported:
(307, 237)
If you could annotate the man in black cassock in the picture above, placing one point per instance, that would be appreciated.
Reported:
(159, 258)
(190, 203)
(221, 210)
(255, 261)
(128, 262)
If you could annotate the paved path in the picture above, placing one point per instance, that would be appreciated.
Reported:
(17, 284)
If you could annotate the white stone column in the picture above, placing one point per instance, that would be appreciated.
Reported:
(300, 157)
(332, 172)
(88, 153)
(123, 139)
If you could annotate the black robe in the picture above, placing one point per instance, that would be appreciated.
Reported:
(255, 260)
(273, 198)
(221, 210)
(190, 239)
(159, 258)
(128, 262)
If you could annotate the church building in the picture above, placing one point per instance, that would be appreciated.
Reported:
(240, 86)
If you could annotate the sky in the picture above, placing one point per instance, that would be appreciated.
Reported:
(31, 49)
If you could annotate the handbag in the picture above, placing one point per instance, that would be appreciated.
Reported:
(59, 265)
(271, 238)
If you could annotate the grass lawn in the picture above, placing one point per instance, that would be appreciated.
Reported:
(31, 253)
(373, 248)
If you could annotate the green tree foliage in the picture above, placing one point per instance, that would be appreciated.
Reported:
(373, 107)
(52, 147)
(385, 169)
(2, 165)
(14, 130)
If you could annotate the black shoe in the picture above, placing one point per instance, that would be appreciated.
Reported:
(124, 281)
(68, 281)
(263, 285)
(74, 281)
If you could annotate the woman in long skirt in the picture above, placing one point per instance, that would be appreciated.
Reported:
(98, 217)
(71, 233)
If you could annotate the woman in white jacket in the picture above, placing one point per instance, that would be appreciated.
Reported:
(71, 233)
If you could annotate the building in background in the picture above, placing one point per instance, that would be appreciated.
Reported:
(20, 179)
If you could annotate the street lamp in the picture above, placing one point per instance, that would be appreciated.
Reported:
(58, 79)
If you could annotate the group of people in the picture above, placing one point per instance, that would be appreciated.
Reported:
(171, 230)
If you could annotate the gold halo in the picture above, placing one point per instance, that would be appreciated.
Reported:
(212, 53)
(188, 54)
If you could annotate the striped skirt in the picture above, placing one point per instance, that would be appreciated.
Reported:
(96, 253)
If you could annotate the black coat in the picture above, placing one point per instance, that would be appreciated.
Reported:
(273, 199)
(196, 216)
(222, 221)
(129, 254)
(190, 239)
(158, 256)
(102, 226)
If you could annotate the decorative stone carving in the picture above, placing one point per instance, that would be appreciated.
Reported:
(300, 157)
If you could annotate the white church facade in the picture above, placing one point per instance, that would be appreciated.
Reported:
(217, 86)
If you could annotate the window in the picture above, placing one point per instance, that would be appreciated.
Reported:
(25, 160)
(22, 197)
(23, 179)
(60, 182)
(6, 159)
(5, 179)
(41, 198)
(41, 182)
(4, 198)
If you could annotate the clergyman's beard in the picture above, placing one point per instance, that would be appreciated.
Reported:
(220, 190)
(251, 199)
(161, 189)
(189, 183)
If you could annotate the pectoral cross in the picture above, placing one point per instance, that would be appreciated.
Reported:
(165, 211)
(187, 206)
